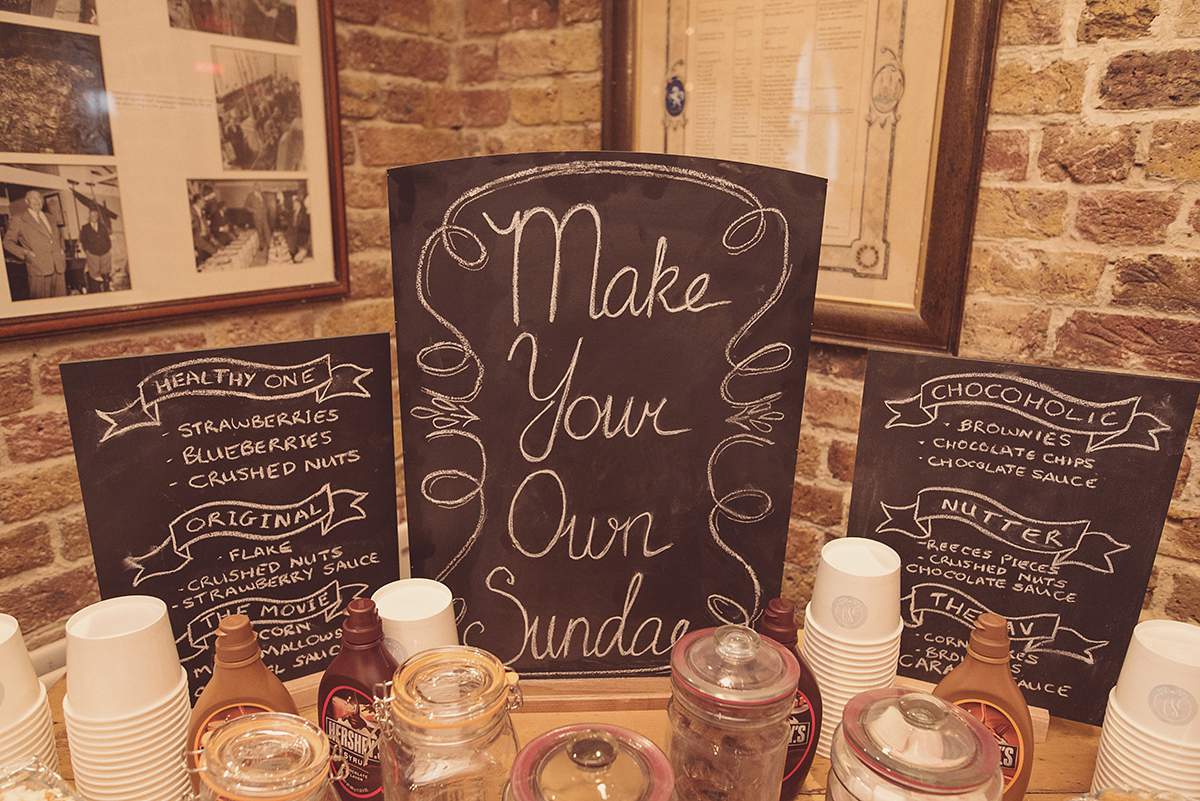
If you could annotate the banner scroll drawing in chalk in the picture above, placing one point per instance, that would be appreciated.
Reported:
(257, 480)
(1035, 493)
(602, 362)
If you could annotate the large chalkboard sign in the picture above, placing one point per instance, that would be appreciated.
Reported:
(602, 362)
(1036, 493)
(257, 480)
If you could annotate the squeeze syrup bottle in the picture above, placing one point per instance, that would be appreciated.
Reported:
(779, 623)
(982, 685)
(345, 700)
(241, 684)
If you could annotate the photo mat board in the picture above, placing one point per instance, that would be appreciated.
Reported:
(256, 480)
(1036, 493)
(602, 364)
(156, 111)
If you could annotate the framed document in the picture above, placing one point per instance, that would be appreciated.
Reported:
(885, 98)
(166, 157)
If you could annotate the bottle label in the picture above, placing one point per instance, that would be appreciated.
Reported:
(1004, 729)
(348, 717)
(219, 717)
(802, 738)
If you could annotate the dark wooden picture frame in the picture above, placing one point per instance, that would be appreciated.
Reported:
(966, 74)
(321, 266)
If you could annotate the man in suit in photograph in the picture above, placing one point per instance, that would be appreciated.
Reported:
(34, 237)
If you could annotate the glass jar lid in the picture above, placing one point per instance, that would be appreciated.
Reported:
(265, 755)
(733, 664)
(452, 686)
(915, 739)
(591, 762)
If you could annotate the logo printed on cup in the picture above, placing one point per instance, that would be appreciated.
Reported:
(1172, 705)
(848, 611)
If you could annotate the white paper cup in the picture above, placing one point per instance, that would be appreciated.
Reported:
(19, 685)
(151, 717)
(1134, 738)
(1159, 685)
(21, 729)
(856, 591)
(121, 657)
(830, 642)
(417, 613)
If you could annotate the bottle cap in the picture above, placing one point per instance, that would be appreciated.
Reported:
(989, 638)
(237, 644)
(362, 625)
(779, 622)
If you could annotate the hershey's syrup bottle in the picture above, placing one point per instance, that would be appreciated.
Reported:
(345, 697)
(982, 685)
(778, 622)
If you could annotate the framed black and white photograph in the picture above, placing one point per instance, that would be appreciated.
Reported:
(166, 157)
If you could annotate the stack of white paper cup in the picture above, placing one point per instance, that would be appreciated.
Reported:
(26, 729)
(417, 613)
(852, 625)
(126, 706)
(1151, 734)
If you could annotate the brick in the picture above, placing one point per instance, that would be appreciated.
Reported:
(25, 548)
(47, 600)
(263, 326)
(370, 276)
(535, 103)
(410, 56)
(580, 100)
(841, 459)
(1020, 213)
(803, 545)
(44, 488)
(1000, 328)
(75, 541)
(1087, 155)
(572, 11)
(837, 361)
(50, 380)
(1128, 342)
(1181, 480)
(819, 506)
(533, 14)
(364, 12)
(405, 102)
(1184, 600)
(365, 189)
(529, 54)
(1116, 19)
(1030, 22)
(1194, 217)
(1151, 586)
(349, 149)
(34, 437)
(486, 16)
(1174, 150)
(832, 408)
(16, 386)
(1022, 88)
(477, 62)
(358, 96)
(1169, 79)
(1187, 20)
(1006, 155)
(396, 146)
(485, 108)
(446, 108)
(1019, 271)
(366, 229)
(1181, 534)
(797, 585)
(808, 456)
(1126, 218)
(411, 16)
(1158, 282)
(360, 317)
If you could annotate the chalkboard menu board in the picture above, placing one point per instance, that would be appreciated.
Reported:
(256, 480)
(1035, 493)
(602, 362)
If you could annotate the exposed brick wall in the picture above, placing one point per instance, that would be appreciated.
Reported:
(1085, 251)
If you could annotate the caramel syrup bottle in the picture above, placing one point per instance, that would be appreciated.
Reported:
(779, 623)
(345, 700)
(241, 685)
(982, 685)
